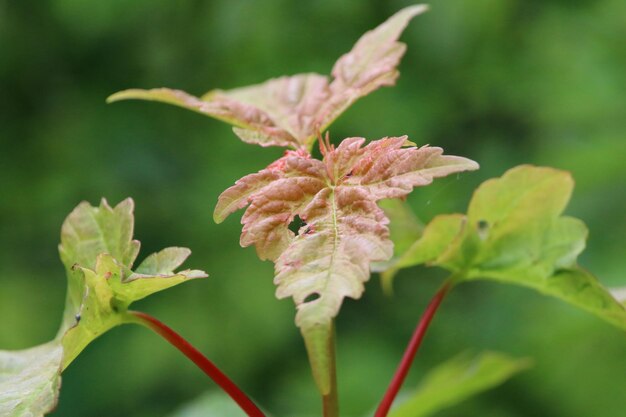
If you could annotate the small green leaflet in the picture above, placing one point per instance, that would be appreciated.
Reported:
(515, 232)
(98, 252)
(457, 380)
(290, 111)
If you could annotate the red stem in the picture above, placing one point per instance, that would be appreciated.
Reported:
(201, 361)
(411, 350)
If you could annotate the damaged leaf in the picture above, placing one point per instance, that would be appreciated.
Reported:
(344, 231)
(290, 111)
(98, 252)
(515, 232)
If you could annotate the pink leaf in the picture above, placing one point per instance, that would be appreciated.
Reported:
(344, 231)
(291, 111)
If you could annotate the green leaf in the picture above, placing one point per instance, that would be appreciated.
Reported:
(97, 244)
(98, 251)
(581, 289)
(210, 404)
(514, 227)
(436, 237)
(89, 231)
(457, 380)
(515, 233)
(30, 380)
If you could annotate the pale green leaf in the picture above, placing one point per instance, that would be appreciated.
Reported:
(101, 289)
(163, 262)
(515, 223)
(457, 380)
(581, 289)
(435, 239)
(30, 380)
(98, 251)
(515, 233)
(89, 231)
(211, 404)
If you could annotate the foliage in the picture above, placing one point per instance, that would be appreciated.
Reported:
(458, 379)
(513, 232)
(291, 111)
(344, 230)
(30, 380)
(98, 252)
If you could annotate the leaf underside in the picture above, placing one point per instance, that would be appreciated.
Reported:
(290, 111)
(30, 380)
(98, 252)
(515, 233)
(344, 230)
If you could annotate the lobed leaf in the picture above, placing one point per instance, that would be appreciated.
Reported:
(457, 380)
(97, 243)
(98, 251)
(515, 232)
(372, 63)
(344, 231)
(290, 111)
(89, 231)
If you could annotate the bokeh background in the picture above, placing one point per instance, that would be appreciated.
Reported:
(503, 82)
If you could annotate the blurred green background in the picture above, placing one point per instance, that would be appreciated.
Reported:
(503, 82)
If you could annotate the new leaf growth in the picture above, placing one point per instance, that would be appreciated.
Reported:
(344, 231)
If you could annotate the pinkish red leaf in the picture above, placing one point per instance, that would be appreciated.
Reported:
(290, 111)
(344, 231)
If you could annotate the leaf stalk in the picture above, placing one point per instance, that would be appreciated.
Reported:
(411, 350)
(330, 401)
(208, 367)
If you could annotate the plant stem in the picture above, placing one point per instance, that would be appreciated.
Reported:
(411, 350)
(330, 402)
(200, 360)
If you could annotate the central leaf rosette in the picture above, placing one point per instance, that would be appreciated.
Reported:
(345, 230)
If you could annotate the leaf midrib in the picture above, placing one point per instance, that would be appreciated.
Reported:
(335, 237)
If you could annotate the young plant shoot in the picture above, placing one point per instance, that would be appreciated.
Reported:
(514, 232)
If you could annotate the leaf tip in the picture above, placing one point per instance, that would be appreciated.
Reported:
(124, 95)
(218, 217)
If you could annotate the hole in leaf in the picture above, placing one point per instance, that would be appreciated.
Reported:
(296, 224)
(311, 297)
